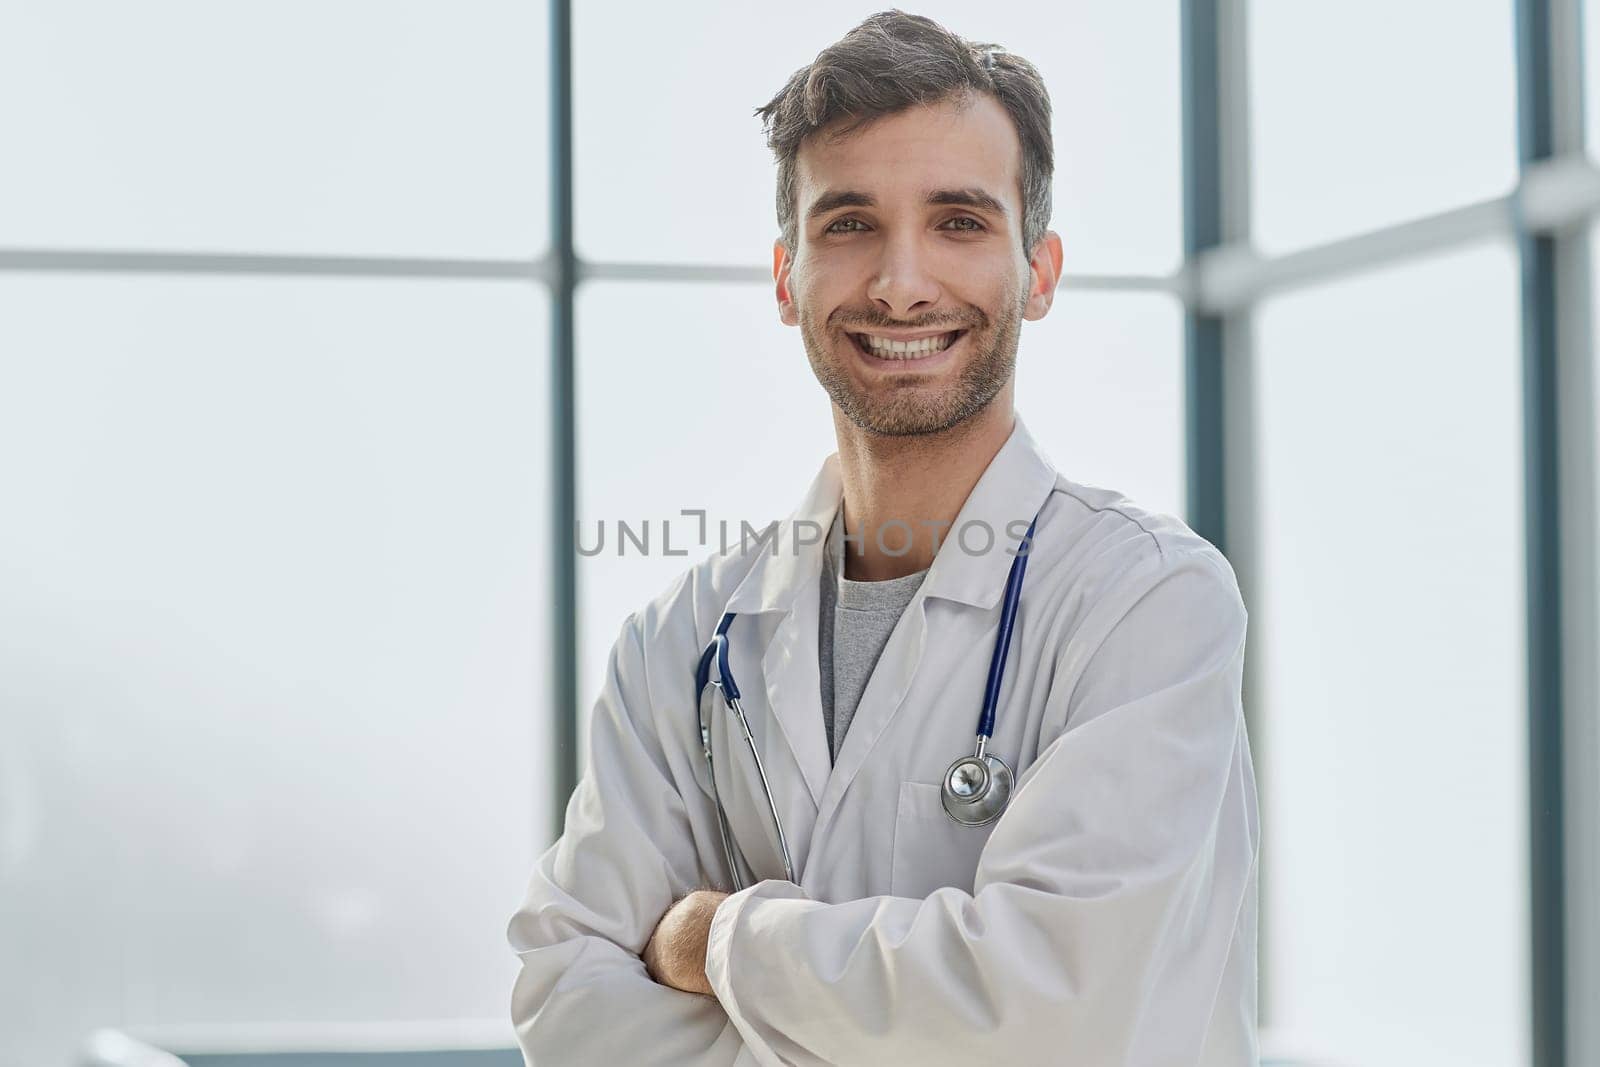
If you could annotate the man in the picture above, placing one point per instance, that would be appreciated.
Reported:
(1109, 915)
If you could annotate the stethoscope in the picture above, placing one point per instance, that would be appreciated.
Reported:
(976, 788)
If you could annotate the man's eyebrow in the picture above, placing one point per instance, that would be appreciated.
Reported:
(971, 197)
(834, 199)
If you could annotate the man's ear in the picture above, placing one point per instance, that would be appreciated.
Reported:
(1045, 273)
(782, 262)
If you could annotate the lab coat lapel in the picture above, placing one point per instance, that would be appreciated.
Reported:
(783, 585)
(1013, 487)
(792, 690)
(764, 668)
(881, 701)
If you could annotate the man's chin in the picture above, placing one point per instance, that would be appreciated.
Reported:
(899, 419)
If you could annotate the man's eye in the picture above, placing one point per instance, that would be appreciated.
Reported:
(965, 222)
(838, 226)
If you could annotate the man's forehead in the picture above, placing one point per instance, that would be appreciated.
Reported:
(916, 152)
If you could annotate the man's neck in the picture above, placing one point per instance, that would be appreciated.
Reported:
(920, 482)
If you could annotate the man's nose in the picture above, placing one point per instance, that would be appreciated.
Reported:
(903, 282)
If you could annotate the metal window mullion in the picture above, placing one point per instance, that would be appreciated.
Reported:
(1579, 623)
(1240, 480)
(1202, 231)
(268, 264)
(1580, 629)
(563, 260)
(1541, 129)
(1219, 351)
(1543, 627)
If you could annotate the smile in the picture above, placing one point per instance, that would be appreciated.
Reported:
(880, 347)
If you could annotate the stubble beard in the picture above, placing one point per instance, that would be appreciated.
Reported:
(908, 410)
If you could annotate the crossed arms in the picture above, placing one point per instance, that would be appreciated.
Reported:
(1105, 925)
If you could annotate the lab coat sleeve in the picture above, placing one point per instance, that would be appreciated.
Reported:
(627, 853)
(1106, 899)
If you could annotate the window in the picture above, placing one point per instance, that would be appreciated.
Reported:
(1366, 114)
(692, 180)
(369, 127)
(276, 600)
(1393, 760)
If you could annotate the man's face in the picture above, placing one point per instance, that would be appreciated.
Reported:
(909, 281)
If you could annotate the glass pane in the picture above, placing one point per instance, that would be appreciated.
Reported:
(1389, 638)
(691, 179)
(272, 654)
(378, 127)
(1100, 380)
(1368, 113)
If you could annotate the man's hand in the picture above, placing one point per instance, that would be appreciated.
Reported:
(676, 954)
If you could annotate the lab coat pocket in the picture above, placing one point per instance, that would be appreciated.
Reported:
(931, 849)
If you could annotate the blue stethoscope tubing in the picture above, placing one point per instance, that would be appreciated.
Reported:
(717, 651)
(975, 789)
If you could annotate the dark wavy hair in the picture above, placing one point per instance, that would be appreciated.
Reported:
(894, 61)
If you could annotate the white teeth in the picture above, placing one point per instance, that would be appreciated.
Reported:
(887, 348)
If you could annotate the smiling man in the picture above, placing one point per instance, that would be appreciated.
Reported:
(954, 767)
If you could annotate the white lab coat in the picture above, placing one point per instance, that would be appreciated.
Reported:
(1108, 917)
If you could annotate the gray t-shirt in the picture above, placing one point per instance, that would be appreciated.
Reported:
(854, 621)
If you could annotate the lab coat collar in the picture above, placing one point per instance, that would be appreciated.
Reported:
(966, 569)
(794, 553)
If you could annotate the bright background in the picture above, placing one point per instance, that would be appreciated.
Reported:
(276, 636)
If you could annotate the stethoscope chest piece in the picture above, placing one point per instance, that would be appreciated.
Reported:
(976, 789)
